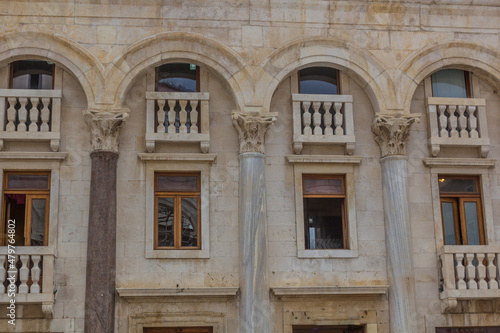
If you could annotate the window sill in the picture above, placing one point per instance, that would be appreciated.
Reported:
(327, 254)
(177, 254)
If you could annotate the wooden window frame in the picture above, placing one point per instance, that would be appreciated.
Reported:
(177, 195)
(197, 75)
(339, 87)
(458, 199)
(345, 222)
(11, 72)
(30, 195)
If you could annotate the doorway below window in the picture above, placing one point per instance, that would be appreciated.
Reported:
(328, 329)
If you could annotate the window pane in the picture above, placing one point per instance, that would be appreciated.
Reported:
(318, 80)
(189, 221)
(166, 222)
(26, 181)
(449, 223)
(37, 222)
(185, 183)
(449, 83)
(177, 77)
(322, 186)
(15, 208)
(32, 74)
(323, 223)
(454, 185)
(327, 329)
(472, 223)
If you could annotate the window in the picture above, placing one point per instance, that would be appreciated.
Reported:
(469, 329)
(177, 211)
(319, 80)
(325, 222)
(179, 330)
(328, 329)
(461, 210)
(31, 74)
(178, 77)
(26, 201)
(454, 83)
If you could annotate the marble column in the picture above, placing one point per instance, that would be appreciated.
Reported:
(392, 133)
(101, 244)
(254, 288)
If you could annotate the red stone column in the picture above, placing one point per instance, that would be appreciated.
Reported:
(101, 244)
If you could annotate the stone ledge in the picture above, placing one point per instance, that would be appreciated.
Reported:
(365, 291)
(136, 293)
(178, 157)
(32, 156)
(459, 162)
(333, 159)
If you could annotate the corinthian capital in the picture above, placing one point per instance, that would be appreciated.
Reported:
(392, 132)
(105, 128)
(252, 128)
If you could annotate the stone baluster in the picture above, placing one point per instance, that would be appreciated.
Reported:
(470, 271)
(34, 114)
(442, 121)
(193, 116)
(473, 133)
(22, 114)
(3, 273)
(317, 118)
(462, 122)
(338, 119)
(328, 118)
(452, 121)
(481, 272)
(254, 306)
(11, 115)
(45, 115)
(171, 116)
(101, 244)
(35, 275)
(24, 273)
(160, 128)
(183, 116)
(460, 271)
(491, 271)
(391, 133)
(306, 118)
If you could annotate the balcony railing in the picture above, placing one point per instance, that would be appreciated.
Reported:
(459, 122)
(30, 115)
(323, 119)
(470, 272)
(177, 117)
(33, 270)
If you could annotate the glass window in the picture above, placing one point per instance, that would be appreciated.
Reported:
(32, 74)
(178, 77)
(328, 329)
(319, 80)
(461, 210)
(325, 221)
(453, 83)
(177, 211)
(25, 208)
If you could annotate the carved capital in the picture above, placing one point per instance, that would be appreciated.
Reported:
(252, 128)
(105, 128)
(392, 132)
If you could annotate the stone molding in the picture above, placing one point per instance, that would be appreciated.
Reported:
(105, 128)
(252, 128)
(392, 132)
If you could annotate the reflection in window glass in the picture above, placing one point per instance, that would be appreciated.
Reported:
(450, 83)
(323, 221)
(27, 181)
(32, 74)
(37, 222)
(319, 80)
(189, 222)
(449, 223)
(177, 77)
(176, 183)
(472, 224)
(166, 222)
(322, 186)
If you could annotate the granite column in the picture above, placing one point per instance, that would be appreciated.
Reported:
(392, 132)
(101, 244)
(254, 288)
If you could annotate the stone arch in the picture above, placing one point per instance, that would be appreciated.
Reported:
(469, 56)
(177, 46)
(61, 50)
(356, 63)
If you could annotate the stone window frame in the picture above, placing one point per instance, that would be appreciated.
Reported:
(138, 322)
(304, 165)
(168, 163)
(301, 317)
(457, 167)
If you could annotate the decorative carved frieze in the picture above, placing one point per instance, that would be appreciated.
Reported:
(105, 128)
(392, 132)
(252, 128)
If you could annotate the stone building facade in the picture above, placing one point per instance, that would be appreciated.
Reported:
(99, 141)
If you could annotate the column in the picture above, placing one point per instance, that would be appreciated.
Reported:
(254, 289)
(101, 244)
(391, 133)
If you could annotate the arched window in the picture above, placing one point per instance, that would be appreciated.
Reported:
(31, 74)
(455, 83)
(319, 80)
(178, 77)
